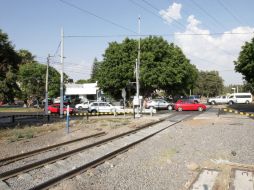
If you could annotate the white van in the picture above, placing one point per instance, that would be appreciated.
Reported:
(240, 98)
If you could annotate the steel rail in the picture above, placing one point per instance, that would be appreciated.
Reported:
(28, 167)
(74, 172)
(14, 158)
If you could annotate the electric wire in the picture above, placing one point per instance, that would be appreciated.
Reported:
(57, 49)
(230, 12)
(169, 34)
(176, 21)
(97, 16)
(215, 21)
(208, 14)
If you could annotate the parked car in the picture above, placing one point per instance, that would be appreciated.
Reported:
(83, 105)
(181, 105)
(218, 100)
(55, 108)
(194, 98)
(159, 104)
(2, 102)
(101, 107)
(57, 101)
(240, 98)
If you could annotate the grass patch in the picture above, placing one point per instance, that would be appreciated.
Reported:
(27, 132)
(19, 109)
(19, 134)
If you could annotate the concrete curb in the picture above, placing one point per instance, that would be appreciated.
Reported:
(237, 112)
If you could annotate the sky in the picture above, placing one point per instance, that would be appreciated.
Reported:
(210, 33)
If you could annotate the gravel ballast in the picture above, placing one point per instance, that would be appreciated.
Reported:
(172, 158)
(169, 160)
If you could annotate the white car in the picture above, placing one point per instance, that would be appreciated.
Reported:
(240, 98)
(218, 100)
(95, 107)
(83, 105)
(159, 104)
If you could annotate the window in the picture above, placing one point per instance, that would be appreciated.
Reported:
(243, 96)
(102, 104)
(95, 104)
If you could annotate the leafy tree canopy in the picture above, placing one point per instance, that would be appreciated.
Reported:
(209, 83)
(245, 63)
(83, 81)
(163, 66)
(32, 78)
(26, 56)
(95, 70)
(9, 62)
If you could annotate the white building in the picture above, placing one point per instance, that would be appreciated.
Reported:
(85, 92)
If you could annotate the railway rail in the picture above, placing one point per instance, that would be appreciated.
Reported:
(14, 158)
(42, 174)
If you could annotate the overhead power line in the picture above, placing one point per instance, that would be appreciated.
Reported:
(97, 16)
(57, 49)
(230, 12)
(208, 14)
(155, 8)
(152, 6)
(169, 34)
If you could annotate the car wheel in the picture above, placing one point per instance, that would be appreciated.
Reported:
(80, 108)
(200, 109)
(179, 109)
(213, 102)
(230, 103)
(170, 108)
(247, 102)
(94, 111)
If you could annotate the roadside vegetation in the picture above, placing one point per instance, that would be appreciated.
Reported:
(163, 67)
(31, 131)
(19, 109)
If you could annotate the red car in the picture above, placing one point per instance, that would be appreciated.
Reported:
(55, 108)
(181, 105)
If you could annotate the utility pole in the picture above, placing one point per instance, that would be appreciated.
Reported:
(62, 68)
(137, 70)
(46, 87)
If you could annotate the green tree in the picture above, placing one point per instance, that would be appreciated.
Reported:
(163, 66)
(209, 83)
(26, 56)
(32, 78)
(95, 70)
(9, 62)
(245, 63)
(228, 89)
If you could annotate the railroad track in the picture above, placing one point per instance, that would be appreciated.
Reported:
(42, 174)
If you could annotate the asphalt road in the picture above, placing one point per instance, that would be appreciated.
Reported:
(243, 107)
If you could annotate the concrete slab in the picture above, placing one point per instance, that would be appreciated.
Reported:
(206, 180)
(244, 180)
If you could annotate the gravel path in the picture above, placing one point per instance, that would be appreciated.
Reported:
(171, 158)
